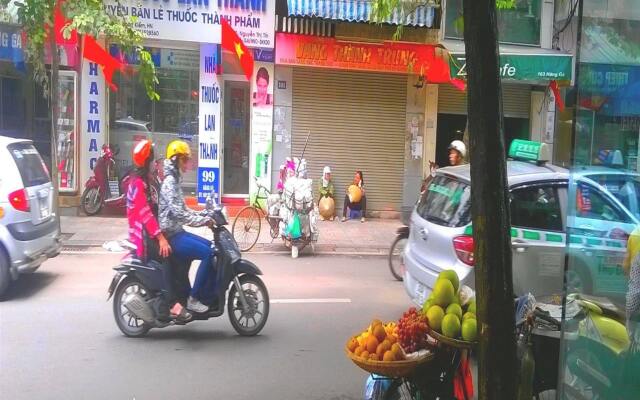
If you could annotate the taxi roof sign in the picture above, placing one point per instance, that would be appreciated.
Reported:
(528, 150)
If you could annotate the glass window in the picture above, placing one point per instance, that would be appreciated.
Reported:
(536, 208)
(446, 202)
(593, 205)
(175, 116)
(30, 165)
(626, 188)
(520, 24)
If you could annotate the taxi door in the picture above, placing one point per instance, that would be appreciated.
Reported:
(538, 237)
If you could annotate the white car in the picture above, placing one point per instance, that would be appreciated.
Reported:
(29, 230)
(542, 199)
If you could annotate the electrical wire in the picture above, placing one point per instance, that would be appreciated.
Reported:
(572, 12)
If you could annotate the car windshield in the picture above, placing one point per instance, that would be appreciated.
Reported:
(446, 202)
(626, 188)
(31, 167)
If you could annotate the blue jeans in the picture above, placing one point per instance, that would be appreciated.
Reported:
(188, 247)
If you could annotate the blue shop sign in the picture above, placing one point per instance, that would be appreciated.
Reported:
(619, 84)
(11, 44)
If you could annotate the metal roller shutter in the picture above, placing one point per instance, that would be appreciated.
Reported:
(357, 122)
(516, 100)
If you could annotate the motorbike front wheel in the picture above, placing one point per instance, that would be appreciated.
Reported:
(91, 201)
(396, 259)
(127, 323)
(251, 321)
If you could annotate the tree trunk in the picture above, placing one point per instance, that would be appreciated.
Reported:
(54, 99)
(491, 220)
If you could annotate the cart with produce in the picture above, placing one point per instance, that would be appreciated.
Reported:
(425, 354)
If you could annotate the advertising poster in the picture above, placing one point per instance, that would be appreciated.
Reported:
(261, 124)
(209, 122)
(199, 21)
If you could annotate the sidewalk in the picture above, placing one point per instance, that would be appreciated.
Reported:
(373, 237)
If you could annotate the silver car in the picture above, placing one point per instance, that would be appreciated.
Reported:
(541, 195)
(29, 230)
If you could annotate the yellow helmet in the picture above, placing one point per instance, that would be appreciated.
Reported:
(178, 148)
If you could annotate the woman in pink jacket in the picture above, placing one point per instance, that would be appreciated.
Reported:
(144, 230)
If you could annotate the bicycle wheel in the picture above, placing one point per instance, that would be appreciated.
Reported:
(246, 228)
(396, 258)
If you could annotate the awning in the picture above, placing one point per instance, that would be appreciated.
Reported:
(518, 63)
(357, 11)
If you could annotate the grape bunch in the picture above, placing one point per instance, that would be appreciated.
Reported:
(412, 331)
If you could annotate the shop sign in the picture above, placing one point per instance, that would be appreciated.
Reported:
(11, 44)
(209, 122)
(199, 20)
(522, 67)
(381, 57)
(618, 87)
(92, 123)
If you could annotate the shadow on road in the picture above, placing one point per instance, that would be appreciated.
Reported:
(28, 285)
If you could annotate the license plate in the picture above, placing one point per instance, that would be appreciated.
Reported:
(420, 294)
(44, 212)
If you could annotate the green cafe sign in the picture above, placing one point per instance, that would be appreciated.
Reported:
(522, 67)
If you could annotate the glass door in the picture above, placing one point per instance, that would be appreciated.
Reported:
(236, 139)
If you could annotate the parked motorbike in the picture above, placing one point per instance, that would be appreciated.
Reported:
(108, 186)
(136, 288)
(396, 257)
(598, 360)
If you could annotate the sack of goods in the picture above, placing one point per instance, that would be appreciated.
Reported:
(273, 204)
(355, 194)
(298, 194)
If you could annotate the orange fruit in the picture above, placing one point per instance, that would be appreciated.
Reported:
(392, 339)
(387, 344)
(379, 333)
(396, 350)
(358, 351)
(375, 322)
(372, 344)
(353, 344)
(374, 357)
(364, 354)
(388, 356)
(380, 351)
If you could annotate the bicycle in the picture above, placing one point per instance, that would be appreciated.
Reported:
(248, 223)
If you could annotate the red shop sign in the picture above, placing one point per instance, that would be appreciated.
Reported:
(381, 57)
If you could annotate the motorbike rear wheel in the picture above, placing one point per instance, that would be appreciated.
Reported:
(128, 324)
(257, 298)
(396, 260)
(91, 201)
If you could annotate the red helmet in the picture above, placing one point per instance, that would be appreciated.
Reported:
(141, 153)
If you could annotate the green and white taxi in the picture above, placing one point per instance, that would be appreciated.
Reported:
(550, 205)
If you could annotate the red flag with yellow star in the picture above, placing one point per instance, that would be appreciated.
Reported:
(232, 42)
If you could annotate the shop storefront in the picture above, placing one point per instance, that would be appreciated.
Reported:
(528, 107)
(26, 112)
(360, 108)
(205, 98)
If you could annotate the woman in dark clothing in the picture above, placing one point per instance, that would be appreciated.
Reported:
(355, 199)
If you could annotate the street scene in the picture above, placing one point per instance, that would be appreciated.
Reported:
(330, 199)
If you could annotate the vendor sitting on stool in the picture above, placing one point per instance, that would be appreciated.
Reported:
(355, 198)
(326, 203)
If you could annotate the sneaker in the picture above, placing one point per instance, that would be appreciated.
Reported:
(362, 219)
(344, 219)
(195, 306)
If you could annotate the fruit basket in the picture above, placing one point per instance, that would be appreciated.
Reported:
(457, 343)
(391, 369)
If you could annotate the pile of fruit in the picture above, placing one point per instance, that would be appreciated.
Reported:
(379, 343)
(412, 331)
(450, 313)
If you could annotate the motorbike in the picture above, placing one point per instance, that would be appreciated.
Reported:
(108, 186)
(597, 357)
(136, 288)
(395, 258)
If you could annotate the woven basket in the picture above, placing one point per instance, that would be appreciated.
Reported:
(391, 369)
(460, 344)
